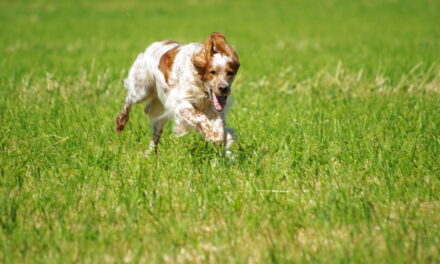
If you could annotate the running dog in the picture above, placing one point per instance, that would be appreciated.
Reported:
(189, 84)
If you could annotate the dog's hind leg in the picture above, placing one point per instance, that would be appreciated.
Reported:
(124, 114)
(156, 111)
(139, 89)
(157, 133)
(140, 86)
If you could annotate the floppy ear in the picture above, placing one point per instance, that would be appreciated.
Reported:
(199, 61)
(216, 43)
(213, 44)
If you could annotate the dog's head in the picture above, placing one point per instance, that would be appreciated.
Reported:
(217, 64)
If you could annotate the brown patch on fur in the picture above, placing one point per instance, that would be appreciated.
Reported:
(169, 42)
(233, 66)
(216, 43)
(166, 62)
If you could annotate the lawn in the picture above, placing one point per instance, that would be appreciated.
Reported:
(336, 108)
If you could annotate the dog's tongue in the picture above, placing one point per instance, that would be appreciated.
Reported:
(219, 102)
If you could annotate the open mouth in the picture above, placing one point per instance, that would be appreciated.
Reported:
(218, 101)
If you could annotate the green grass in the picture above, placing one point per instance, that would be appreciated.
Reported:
(337, 109)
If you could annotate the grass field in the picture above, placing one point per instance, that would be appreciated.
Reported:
(336, 106)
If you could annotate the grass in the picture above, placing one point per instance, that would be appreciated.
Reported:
(336, 108)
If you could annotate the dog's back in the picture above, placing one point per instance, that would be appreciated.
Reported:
(143, 74)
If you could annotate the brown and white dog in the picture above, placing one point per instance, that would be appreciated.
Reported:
(187, 83)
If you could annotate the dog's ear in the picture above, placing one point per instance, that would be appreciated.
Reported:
(200, 60)
(216, 43)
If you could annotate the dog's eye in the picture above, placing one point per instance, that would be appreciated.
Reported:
(212, 72)
(230, 73)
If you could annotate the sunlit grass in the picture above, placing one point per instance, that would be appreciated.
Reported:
(336, 108)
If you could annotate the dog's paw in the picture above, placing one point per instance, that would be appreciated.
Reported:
(214, 137)
(121, 120)
(119, 128)
(146, 154)
(229, 155)
(151, 151)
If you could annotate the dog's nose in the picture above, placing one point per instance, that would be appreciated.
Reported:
(224, 89)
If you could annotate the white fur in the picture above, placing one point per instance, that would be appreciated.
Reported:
(220, 60)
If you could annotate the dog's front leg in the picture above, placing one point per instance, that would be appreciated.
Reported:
(212, 129)
(229, 139)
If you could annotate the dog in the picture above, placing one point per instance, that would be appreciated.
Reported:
(189, 84)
